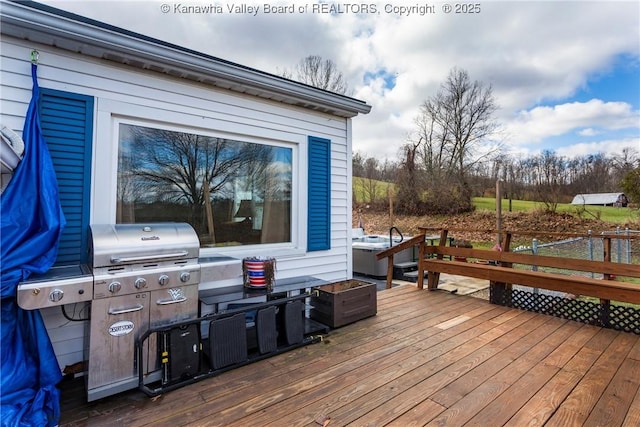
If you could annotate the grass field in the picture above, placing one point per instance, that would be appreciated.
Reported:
(604, 213)
(363, 188)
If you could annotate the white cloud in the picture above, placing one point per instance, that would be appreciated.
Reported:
(588, 132)
(530, 52)
(609, 147)
(533, 126)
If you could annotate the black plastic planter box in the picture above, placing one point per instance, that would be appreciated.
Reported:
(341, 303)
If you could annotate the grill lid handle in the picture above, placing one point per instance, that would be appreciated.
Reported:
(121, 260)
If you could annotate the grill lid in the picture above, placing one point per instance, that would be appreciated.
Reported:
(122, 244)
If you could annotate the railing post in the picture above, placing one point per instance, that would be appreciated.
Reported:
(421, 251)
(618, 245)
(434, 276)
(605, 304)
(389, 271)
(606, 251)
(506, 247)
(534, 250)
(590, 244)
(628, 251)
(500, 292)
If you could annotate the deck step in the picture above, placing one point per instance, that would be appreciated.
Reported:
(406, 265)
(402, 268)
(412, 276)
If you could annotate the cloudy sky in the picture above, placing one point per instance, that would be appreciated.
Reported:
(566, 75)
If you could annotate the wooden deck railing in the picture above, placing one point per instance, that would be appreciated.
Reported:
(496, 266)
(389, 253)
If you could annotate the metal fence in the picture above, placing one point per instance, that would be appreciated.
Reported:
(624, 318)
(589, 248)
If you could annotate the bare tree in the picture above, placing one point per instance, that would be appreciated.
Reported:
(371, 178)
(462, 112)
(550, 173)
(318, 72)
(408, 195)
(454, 129)
(624, 163)
(171, 167)
(357, 162)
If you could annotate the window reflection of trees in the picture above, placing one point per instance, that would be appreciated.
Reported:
(165, 175)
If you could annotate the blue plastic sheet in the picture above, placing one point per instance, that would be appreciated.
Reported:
(31, 224)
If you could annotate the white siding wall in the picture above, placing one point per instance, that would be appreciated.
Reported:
(125, 92)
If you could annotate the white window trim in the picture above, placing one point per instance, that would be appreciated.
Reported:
(111, 113)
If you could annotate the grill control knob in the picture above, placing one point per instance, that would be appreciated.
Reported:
(184, 277)
(140, 283)
(163, 280)
(114, 287)
(56, 295)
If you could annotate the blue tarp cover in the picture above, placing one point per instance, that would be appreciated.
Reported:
(31, 224)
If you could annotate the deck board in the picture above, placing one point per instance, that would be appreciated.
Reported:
(426, 358)
(579, 404)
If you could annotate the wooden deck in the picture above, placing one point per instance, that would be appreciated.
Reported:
(428, 358)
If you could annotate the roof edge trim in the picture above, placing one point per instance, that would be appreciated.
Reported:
(43, 19)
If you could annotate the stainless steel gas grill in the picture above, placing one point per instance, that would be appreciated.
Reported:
(144, 276)
(142, 282)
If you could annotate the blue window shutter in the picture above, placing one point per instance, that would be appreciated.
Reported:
(319, 193)
(67, 126)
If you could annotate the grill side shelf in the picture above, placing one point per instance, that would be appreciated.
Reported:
(51, 293)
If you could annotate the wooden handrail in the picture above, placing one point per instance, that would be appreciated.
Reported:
(575, 264)
(388, 253)
(500, 272)
(606, 290)
(400, 246)
(505, 259)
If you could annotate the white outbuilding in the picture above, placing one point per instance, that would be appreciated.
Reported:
(601, 199)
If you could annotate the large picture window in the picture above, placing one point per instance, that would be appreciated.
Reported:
(232, 192)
